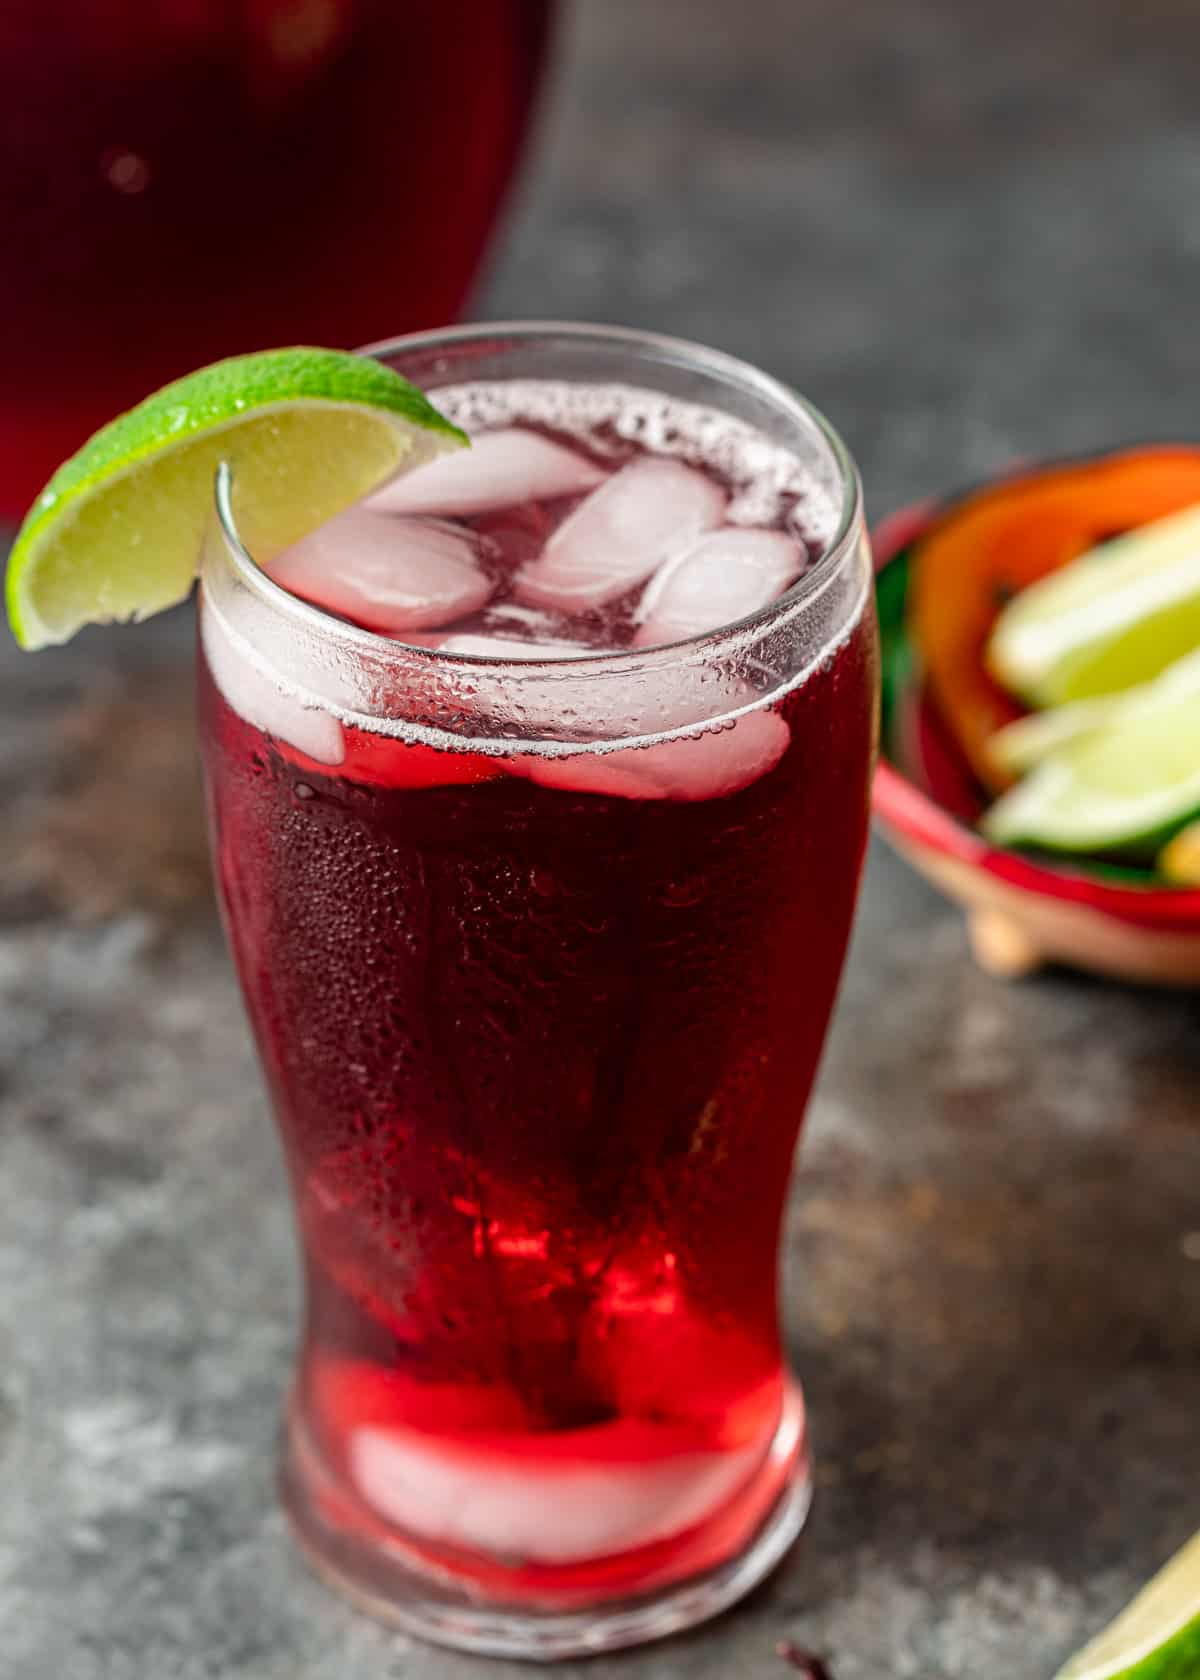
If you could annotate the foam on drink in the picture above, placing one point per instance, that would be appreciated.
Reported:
(767, 484)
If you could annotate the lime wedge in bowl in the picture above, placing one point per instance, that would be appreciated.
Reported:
(1157, 1636)
(1113, 618)
(1123, 787)
(1020, 746)
(117, 532)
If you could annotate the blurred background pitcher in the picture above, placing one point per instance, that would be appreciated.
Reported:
(185, 179)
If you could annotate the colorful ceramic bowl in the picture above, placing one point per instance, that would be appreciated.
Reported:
(1023, 911)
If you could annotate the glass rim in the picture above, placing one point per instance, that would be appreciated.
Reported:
(838, 553)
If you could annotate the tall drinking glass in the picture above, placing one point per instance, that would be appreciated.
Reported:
(539, 944)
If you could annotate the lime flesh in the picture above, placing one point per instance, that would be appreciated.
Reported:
(1114, 618)
(1020, 746)
(1124, 787)
(117, 532)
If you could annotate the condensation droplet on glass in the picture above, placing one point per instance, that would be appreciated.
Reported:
(125, 171)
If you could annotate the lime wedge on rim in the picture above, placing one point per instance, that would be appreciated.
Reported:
(1157, 1636)
(117, 532)
(1124, 787)
(1113, 618)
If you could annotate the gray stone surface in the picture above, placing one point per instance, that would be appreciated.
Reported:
(968, 231)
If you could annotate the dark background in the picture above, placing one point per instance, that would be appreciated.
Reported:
(969, 232)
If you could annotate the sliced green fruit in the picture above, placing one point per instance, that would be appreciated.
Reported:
(1179, 860)
(1020, 746)
(1115, 617)
(1157, 1636)
(117, 532)
(1124, 787)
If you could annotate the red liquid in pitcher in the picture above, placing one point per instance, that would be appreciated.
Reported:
(540, 1033)
(185, 179)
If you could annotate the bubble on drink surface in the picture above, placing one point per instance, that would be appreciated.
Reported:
(257, 697)
(726, 575)
(589, 1493)
(620, 533)
(767, 483)
(387, 572)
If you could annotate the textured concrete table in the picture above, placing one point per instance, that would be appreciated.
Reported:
(966, 238)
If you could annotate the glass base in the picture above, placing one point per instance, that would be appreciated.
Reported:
(400, 1585)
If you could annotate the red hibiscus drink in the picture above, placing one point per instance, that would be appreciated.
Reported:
(539, 794)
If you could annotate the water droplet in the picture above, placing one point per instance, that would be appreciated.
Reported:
(681, 895)
(125, 171)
